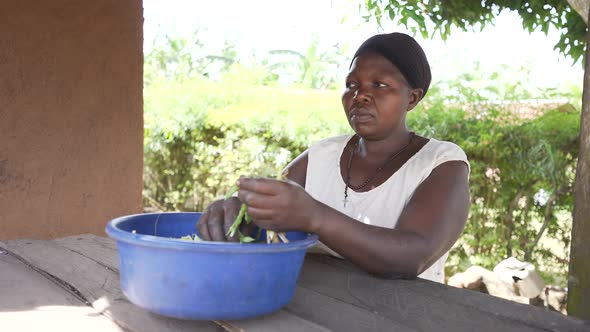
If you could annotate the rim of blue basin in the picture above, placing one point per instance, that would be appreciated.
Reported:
(115, 232)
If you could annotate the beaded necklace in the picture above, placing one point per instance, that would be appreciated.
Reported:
(371, 178)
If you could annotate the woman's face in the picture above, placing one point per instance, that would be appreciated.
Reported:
(377, 97)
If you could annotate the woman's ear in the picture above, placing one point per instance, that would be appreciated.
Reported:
(415, 97)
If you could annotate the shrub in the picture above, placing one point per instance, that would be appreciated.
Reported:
(200, 136)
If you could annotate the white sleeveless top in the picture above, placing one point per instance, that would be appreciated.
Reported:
(382, 205)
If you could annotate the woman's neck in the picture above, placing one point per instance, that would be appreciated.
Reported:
(385, 146)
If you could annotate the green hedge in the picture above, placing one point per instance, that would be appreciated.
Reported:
(200, 136)
(521, 182)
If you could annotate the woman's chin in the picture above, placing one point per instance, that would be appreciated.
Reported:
(362, 129)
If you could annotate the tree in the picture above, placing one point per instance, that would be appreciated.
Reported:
(446, 14)
(582, 7)
(571, 18)
(315, 68)
(579, 268)
(182, 57)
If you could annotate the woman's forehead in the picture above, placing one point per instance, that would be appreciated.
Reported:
(374, 63)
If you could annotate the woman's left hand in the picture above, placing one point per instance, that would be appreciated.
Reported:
(278, 205)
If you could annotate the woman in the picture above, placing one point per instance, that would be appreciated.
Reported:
(390, 201)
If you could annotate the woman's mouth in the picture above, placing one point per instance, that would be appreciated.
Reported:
(360, 117)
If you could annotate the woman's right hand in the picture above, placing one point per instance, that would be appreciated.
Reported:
(217, 219)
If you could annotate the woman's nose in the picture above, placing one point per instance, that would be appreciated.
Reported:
(360, 94)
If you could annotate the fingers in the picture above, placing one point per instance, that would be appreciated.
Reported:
(267, 201)
(256, 200)
(202, 226)
(260, 215)
(259, 185)
(212, 224)
(260, 192)
(215, 226)
(267, 219)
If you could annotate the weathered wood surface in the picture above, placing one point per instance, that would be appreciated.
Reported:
(96, 284)
(331, 295)
(88, 266)
(30, 301)
(103, 251)
(421, 305)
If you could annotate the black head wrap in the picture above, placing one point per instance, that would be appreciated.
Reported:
(405, 53)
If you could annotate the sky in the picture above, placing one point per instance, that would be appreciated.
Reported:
(261, 25)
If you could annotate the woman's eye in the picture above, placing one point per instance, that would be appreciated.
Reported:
(380, 85)
(350, 85)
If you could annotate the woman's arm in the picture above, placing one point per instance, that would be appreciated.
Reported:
(428, 226)
(297, 169)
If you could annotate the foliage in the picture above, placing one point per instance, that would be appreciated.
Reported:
(181, 58)
(315, 68)
(201, 135)
(210, 118)
(522, 172)
(178, 58)
(445, 14)
(521, 182)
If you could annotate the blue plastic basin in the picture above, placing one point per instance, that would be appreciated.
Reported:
(203, 280)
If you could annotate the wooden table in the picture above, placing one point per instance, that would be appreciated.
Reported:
(72, 284)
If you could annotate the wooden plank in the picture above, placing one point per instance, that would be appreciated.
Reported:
(98, 285)
(334, 294)
(31, 302)
(102, 251)
(425, 305)
(338, 315)
(281, 321)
